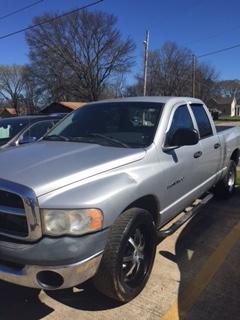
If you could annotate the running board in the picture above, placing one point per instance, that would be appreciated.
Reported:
(189, 213)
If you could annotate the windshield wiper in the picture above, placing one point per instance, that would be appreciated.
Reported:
(85, 139)
(56, 137)
(116, 141)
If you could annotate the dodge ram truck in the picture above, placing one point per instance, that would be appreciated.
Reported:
(90, 198)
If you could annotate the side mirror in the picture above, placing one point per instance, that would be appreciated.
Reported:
(183, 137)
(27, 139)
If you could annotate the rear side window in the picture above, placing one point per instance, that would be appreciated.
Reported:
(181, 120)
(204, 125)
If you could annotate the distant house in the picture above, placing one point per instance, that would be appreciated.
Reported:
(237, 112)
(8, 112)
(226, 105)
(62, 107)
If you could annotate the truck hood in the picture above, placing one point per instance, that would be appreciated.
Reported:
(48, 165)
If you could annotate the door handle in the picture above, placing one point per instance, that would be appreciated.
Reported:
(217, 145)
(197, 154)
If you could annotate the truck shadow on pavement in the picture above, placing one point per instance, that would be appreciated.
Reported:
(21, 303)
(84, 297)
(196, 243)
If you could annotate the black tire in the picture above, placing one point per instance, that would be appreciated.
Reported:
(226, 187)
(128, 256)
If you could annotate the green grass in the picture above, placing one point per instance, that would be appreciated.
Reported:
(229, 119)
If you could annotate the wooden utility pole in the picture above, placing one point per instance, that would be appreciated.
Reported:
(146, 44)
(193, 75)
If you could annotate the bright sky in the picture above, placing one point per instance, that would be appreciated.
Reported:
(201, 25)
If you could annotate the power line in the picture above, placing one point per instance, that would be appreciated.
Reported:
(218, 51)
(20, 9)
(213, 36)
(8, 35)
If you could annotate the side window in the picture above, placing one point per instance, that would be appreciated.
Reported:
(204, 125)
(5, 132)
(181, 120)
(38, 129)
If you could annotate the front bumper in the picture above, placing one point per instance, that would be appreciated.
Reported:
(51, 277)
(52, 263)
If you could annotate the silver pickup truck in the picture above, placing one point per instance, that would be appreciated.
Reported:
(90, 199)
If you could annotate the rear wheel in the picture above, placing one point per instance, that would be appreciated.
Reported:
(128, 257)
(226, 187)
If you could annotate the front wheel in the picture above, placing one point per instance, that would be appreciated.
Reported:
(128, 257)
(226, 187)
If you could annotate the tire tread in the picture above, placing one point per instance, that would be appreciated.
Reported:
(104, 279)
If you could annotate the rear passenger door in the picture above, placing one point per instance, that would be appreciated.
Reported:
(210, 145)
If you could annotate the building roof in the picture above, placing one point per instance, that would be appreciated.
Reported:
(71, 104)
(8, 110)
(12, 111)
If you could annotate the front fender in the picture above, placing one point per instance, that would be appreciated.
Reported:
(111, 193)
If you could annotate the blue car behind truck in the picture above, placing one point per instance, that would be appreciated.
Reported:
(25, 129)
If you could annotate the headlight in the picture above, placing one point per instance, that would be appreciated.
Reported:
(71, 222)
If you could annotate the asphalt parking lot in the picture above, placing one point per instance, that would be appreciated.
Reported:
(195, 276)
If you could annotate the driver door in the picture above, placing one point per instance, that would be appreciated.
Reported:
(181, 173)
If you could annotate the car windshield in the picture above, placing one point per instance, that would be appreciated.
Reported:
(10, 128)
(119, 124)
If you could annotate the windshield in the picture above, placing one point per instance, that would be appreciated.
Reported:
(120, 124)
(10, 128)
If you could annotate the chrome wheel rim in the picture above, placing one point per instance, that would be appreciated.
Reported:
(135, 260)
(231, 180)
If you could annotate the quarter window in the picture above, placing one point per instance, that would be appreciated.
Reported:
(181, 120)
(204, 125)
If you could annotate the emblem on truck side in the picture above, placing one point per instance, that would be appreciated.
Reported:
(175, 183)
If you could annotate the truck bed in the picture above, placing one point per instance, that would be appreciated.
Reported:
(222, 128)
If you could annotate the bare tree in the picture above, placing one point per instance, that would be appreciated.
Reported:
(12, 85)
(32, 93)
(175, 69)
(230, 88)
(170, 74)
(207, 85)
(154, 85)
(76, 56)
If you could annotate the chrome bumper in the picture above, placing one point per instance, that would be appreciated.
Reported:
(70, 275)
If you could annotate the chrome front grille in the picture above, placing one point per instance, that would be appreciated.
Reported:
(10, 200)
(13, 221)
(19, 212)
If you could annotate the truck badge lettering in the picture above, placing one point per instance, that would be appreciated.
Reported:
(175, 183)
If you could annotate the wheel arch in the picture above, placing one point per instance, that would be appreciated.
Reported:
(235, 156)
(149, 203)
